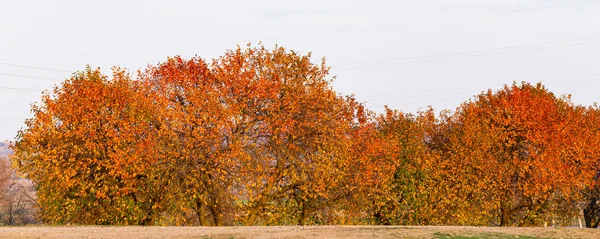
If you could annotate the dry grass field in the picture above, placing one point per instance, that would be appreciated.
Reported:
(297, 232)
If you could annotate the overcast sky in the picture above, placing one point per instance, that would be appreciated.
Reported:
(406, 54)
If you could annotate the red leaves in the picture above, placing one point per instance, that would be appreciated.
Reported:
(87, 141)
(521, 141)
(259, 137)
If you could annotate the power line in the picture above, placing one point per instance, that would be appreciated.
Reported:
(11, 120)
(467, 52)
(34, 67)
(382, 96)
(335, 32)
(411, 106)
(467, 56)
(415, 101)
(30, 77)
(429, 103)
(391, 60)
(439, 20)
(319, 33)
(435, 57)
(370, 63)
(20, 89)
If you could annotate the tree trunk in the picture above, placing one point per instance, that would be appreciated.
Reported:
(591, 214)
(252, 215)
(216, 215)
(504, 215)
(201, 214)
(303, 216)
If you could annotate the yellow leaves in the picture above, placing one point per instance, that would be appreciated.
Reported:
(517, 131)
(266, 108)
(80, 148)
(259, 137)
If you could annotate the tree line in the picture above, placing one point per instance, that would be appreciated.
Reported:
(259, 137)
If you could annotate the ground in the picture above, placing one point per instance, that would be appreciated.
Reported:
(296, 232)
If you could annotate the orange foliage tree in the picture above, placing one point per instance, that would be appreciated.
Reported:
(89, 150)
(391, 157)
(515, 155)
(589, 142)
(199, 142)
(298, 136)
(259, 137)
(254, 137)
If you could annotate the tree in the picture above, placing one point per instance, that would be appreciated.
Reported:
(514, 155)
(259, 137)
(591, 210)
(201, 140)
(591, 142)
(296, 135)
(391, 168)
(89, 150)
(255, 137)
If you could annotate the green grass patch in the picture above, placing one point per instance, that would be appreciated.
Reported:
(440, 235)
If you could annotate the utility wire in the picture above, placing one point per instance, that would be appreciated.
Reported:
(318, 33)
(12, 120)
(435, 57)
(393, 60)
(20, 89)
(467, 56)
(343, 31)
(412, 106)
(382, 96)
(467, 52)
(33, 67)
(447, 92)
(30, 77)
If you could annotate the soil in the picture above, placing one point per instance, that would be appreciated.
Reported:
(296, 232)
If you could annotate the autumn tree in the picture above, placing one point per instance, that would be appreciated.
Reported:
(89, 150)
(391, 156)
(201, 139)
(590, 143)
(253, 137)
(514, 155)
(259, 137)
(296, 135)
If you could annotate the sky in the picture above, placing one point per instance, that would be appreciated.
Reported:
(405, 54)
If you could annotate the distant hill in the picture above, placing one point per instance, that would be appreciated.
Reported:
(4, 150)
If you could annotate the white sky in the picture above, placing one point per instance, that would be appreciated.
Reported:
(469, 45)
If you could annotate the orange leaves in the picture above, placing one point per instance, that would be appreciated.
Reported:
(252, 129)
(520, 141)
(85, 142)
(512, 157)
(259, 137)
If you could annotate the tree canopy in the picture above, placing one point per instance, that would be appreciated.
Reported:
(259, 137)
